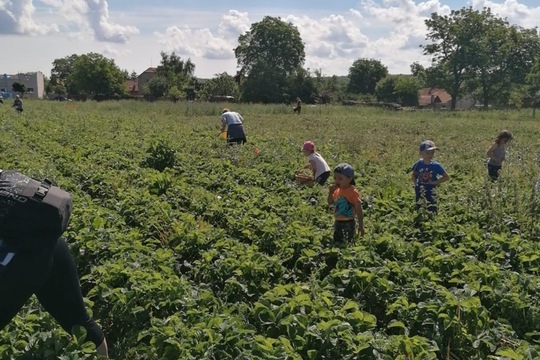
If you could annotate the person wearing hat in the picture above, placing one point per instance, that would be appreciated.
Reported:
(17, 104)
(347, 204)
(426, 175)
(317, 164)
(233, 123)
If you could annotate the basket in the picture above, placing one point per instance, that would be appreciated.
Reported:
(223, 135)
(303, 179)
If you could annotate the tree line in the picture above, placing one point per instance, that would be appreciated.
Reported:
(473, 53)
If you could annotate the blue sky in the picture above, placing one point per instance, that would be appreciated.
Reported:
(33, 33)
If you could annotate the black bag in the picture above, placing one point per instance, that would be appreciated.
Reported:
(31, 210)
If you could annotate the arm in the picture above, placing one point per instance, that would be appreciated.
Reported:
(444, 178)
(313, 167)
(330, 198)
(360, 215)
(223, 124)
(414, 177)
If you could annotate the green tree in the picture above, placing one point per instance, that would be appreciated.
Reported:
(156, 87)
(176, 71)
(223, 84)
(61, 74)
(364, 74)
(269, 52)
(19, 87)
(505, 54)
(533, 82)
(175, 93)
(385, 89)
(93, 74)
(300, 84)
(406, 89)
(328, 88)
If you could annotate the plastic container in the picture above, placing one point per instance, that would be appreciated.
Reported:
(223, 135)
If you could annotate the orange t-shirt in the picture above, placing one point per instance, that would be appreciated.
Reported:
(344, 201)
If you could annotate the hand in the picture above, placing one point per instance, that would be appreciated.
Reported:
(361, 231)
(333, 188)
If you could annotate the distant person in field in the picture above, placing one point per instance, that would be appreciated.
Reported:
(298, 108)
(497, 153)
(17, 104)
(426, 176)
(347, 204)
(233, 123)
(319, 167)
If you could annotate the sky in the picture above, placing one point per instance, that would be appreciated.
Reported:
(33, 33)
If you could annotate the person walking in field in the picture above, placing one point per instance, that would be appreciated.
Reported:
(317, 164)
(298, 108)
(426, 175)
(232, 122)
(18, 104)
(347, 204)
(497, 154)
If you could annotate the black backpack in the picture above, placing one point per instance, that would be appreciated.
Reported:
(31, 210)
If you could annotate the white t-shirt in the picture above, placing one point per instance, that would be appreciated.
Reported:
(232, 117)
(320, 164)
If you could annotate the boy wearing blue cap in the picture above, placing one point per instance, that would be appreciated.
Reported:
(347, 204)
(426, 176)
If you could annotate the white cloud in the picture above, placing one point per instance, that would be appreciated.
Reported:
(512, 10)
(81, 17)
(203, 42)
(98, 17)
(16, 17)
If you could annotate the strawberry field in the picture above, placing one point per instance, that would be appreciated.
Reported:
(189, 249)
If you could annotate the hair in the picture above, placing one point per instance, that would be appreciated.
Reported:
(225, 110)
(505, 134)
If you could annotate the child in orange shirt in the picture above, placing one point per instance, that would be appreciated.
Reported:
(347, 204)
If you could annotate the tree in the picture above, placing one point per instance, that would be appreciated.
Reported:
(269, 52)
(505, 55)
(399, 89)
(364, 74)
(300, 84)
(177, 71)
(385, 89)
(533, 81)
(61, 74)
(223, 84)
(19, 87)
(406, 88)
(93, 74)
(156, 87)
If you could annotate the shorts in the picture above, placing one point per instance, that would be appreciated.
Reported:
(321, 179)
(344, 232)
(494, 171)
(425, 198)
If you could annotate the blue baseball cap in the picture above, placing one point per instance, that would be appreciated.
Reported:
(347, 170)
(427, 145)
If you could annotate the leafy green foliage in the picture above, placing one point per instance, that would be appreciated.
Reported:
(160, 156)
(214, 252)
(364, 74)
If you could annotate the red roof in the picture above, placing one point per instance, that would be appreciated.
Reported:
(429, 96)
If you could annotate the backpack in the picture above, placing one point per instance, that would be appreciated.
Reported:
(31, 210)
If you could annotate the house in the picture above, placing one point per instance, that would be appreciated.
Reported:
(33, 81)
(434, 98)
(440, 99)
(132, 87)
(145, 77)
